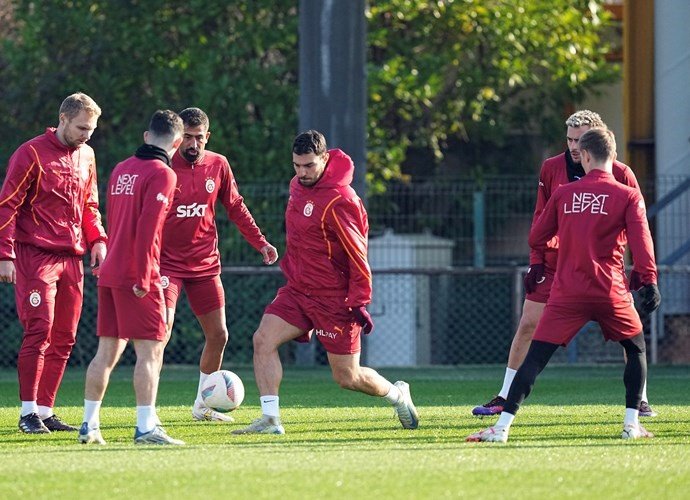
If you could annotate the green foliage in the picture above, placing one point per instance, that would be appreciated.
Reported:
(475, 72)
(237, 60)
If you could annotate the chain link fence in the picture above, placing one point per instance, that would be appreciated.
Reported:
(448, 261)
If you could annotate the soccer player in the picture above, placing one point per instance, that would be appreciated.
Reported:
(328, 285)
(130, 297)
(590, 283)
(48, 220)
(555, 171)
(189, 258)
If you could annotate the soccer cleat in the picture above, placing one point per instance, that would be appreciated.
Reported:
(155, 436)
(263, 425)
(53, 423)
(404, 408)
(90, 436)
(491, 408)
(493, 434)
(204, 413)
(632, 431)
(646, 410)
(32, 424)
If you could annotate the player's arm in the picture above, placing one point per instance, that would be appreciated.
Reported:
(23, 171)
(546, 226)
(543, 195)
(239, 214)
(640, 240)
(92, 224)
(348, 220)
(157, 198)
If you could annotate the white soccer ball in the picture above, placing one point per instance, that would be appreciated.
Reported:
(222, 391)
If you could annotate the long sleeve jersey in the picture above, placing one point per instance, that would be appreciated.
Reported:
(589, 216)
(49, 198)
(552, 175)
(139, 196)
(327, 236)
(190, 236)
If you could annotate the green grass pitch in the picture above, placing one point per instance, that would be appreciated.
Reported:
(565, 441)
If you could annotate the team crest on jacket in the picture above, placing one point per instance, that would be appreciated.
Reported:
(210, 185)
(35, 298)
(165, 282)
(309, 209)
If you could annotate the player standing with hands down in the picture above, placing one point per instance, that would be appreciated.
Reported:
(556, 171)
(590, 283)
(48, 219)
(328, 284)
(130, 297)
(190, 257)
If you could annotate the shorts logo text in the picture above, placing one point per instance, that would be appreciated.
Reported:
(323, 333)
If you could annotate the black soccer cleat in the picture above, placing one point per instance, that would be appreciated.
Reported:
(53, 423)
(32, 424)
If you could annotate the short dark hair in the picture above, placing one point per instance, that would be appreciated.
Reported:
(166, 124)
(599, 142)
(311, 141)
(193, 117)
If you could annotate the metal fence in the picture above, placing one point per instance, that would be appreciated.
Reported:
(447, 283)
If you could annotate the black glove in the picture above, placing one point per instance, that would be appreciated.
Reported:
(650, 298)
(534, 276)
(635, 280)
(363, 318)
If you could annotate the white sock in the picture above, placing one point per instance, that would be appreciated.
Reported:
(45, 412)
(394, 395)
(505, 420)
(644, 392)
(146, 418)
(29, 407)
(507, 381)
(92, 413)
(632, 417)
(270, 405)
(202, 378)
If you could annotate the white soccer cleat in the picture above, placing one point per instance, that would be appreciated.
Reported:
(202, 412)
(156, 436)
(90, 436)
(405, 409)
(263, 425)
(495, 434)
(632, 431)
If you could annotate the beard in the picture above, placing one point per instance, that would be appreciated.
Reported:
(191, 155)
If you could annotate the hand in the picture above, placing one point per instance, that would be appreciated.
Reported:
(363, 318)
(98, 253)
(138, 291)
(650, 298)
(270, 254)
(635, 280)
(534, 276)
(8, 274)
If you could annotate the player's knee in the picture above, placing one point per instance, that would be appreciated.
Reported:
(217, 337)
(346, 379)
(262, 342)
(634, 346)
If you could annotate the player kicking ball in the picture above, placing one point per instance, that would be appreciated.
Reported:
(590, 282)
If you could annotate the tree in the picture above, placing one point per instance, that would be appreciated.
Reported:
(469, 74)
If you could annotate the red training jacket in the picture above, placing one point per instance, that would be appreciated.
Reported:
(139, 196)
(553, 174)
(589, 216)
(49, 198)
(190, 237)
(327, 236)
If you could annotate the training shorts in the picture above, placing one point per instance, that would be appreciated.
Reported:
(204, 294)
(561, 322)
(543, 290)
(326, 317)
(123, 315)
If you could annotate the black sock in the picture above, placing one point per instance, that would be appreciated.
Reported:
(537, 358)
(635, 370)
